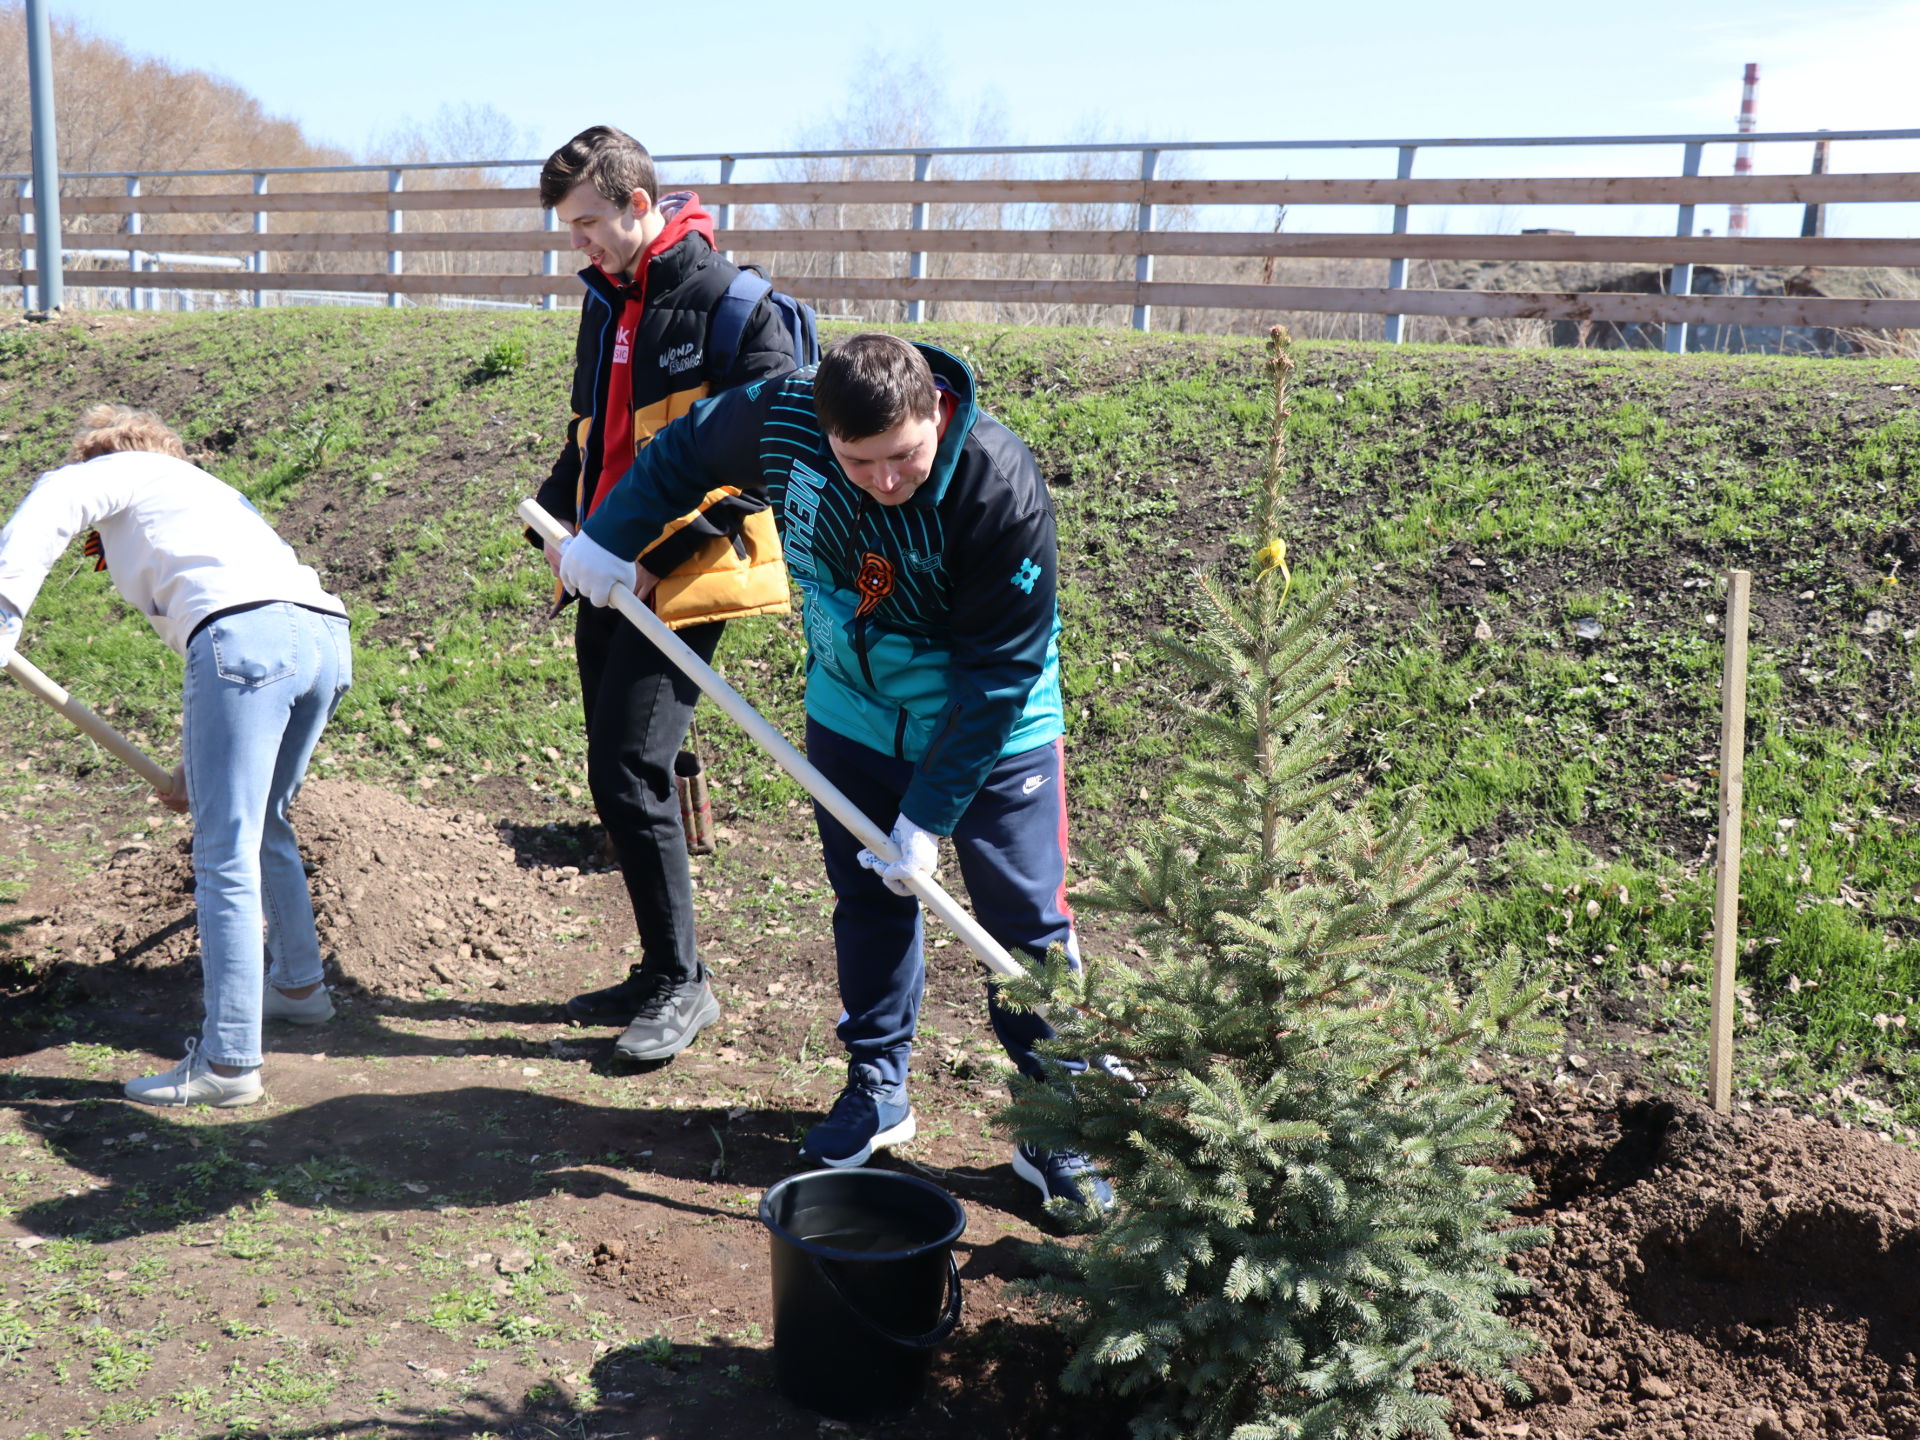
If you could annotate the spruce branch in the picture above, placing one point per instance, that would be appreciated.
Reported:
(1504, 1007)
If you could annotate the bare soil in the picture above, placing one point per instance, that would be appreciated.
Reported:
(1708, 1276)
(450, 1092)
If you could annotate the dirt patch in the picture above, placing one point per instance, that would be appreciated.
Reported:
(1707, 1277)
(1710, 1276)
(407, 899)
(450, 1103)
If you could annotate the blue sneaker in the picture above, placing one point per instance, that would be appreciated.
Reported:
(1063, 1175)
(869, 1115)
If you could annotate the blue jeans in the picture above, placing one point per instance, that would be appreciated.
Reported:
(261, 685)
(1011, 846)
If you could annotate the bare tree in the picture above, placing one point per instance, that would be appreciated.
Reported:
(117, 112)
(465, 132)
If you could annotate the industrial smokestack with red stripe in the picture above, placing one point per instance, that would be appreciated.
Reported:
(1743, 152)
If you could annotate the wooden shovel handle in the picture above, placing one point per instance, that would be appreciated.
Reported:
(991, 952)
(89, 723)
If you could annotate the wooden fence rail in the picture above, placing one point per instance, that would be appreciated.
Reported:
(1628, 249)
(1579, 190)
(291, 259)
(1573, 306)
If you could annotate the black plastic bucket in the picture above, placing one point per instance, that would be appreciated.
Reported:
(864, 1287)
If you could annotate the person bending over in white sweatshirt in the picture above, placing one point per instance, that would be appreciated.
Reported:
(267, 662)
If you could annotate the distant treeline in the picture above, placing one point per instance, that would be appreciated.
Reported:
(116, 111)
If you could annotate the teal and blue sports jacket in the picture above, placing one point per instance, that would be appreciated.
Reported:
(931, 626)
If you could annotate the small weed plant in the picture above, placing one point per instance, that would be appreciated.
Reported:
(504, 357)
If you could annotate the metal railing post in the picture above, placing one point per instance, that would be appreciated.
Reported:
(723, 216)
(259, 228)
(917, 261)
(1393, 330)
(395, 179)
(50, 278)
(550, 263)
(28, 254)
(1683, 274)
(1143, 264)
(133, 253)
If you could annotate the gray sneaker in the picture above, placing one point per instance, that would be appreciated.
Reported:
(314, 1009)
(667, 1013)
(192, 1082)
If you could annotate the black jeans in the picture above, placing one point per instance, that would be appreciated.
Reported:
(638, 706)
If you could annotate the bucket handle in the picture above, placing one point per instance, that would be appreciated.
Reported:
(942, 1328)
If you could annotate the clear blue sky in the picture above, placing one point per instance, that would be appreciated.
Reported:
(687, 77)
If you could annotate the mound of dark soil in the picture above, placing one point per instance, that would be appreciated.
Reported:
(1747, 1277)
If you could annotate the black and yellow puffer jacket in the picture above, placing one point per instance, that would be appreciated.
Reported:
(720, 561)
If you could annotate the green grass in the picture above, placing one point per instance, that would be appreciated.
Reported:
(275, 1368)
(1592, 489)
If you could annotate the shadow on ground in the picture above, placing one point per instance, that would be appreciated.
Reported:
(380, 1152)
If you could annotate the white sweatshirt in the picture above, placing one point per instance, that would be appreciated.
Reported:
(180, 544)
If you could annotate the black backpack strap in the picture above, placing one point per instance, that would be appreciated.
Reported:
(729, 320)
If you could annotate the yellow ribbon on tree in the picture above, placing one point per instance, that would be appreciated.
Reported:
(1273, 556)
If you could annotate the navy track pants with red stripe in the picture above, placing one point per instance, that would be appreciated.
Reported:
(1010, 847)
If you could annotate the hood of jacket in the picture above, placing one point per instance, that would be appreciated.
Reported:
(661, 266)
(952, 372)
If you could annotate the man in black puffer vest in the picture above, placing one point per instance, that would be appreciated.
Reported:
(653, 283)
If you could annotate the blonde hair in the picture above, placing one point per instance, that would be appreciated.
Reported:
(104, 429)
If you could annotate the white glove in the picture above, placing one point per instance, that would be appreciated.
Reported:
(10, 624)
(919, 855)
(588, 568)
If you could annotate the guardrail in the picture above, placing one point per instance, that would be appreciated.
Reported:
(1142, 198)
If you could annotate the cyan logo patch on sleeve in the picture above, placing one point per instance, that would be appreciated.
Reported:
(1026, 575)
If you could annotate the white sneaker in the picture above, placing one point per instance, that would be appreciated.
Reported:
(314, 1009)
(192, 1082)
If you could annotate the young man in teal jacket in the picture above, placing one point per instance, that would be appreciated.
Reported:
(920, 537)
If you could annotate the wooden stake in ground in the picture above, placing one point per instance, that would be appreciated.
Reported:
(1726, 893)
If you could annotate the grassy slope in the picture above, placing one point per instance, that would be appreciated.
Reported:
(1477, 505)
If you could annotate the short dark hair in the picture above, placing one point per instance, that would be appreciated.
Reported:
(868, 384)
(617, 165)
